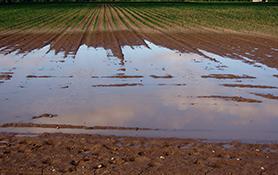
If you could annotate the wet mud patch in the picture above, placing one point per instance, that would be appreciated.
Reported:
(66, 126)
(5, 76)
(47, 76)
(268, 96)
(233, 98)
(120, 76)
(64, 87)
(118, 85)
(228, 76)
(177, 84)
(249, 86)
(162, 76)
(45, 116)
(39, 76)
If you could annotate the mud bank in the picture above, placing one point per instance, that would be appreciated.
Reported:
(93, 154)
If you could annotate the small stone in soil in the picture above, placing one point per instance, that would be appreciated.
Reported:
(100, 166)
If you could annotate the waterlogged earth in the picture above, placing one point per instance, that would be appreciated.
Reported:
(137, 73)
(181, 94)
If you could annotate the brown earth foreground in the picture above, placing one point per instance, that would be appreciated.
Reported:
(93, 154)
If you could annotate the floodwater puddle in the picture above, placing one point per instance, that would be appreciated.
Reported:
(198, 95)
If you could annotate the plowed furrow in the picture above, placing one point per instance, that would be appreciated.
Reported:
(97, 38)
(227, 48)
(133, 30)
(232, 45)
(89, 27)
(15, 38)
(33, 24)
(127, 35)
(65, 40)
(24, 24)
(33, 40)
(157, 36)
(112, 41)
(89, 37)
(179, 19)
(78, 35)
(188, 40)
(48, 36)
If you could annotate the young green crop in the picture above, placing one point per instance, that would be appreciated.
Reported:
(245, 17)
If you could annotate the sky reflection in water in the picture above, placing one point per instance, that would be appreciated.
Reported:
(166, 103)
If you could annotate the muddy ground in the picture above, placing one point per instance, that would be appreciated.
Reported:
(93, 154)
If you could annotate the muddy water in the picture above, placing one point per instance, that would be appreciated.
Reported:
(181, 94)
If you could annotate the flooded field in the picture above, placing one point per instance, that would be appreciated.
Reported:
(117, 70)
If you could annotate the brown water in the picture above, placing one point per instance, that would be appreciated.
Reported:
(153, 87)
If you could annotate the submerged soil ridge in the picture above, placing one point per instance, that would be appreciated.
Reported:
(67, 126)
(113, 27)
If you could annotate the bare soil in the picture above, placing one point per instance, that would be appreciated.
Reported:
(233, 98)
(122, 76)
(249, 86)
(67, 126)
(45, 116)
(47, 76)
(268, 96)
(6, 75)
(161, 76)
(118, 85)
(228, 76)
(177, 84)
(93, 154)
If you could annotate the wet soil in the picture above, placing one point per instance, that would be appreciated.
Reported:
(161, 76)
(45, 116)
(121, 76)
(177, 84)
(47, 76)
(118, 85)
(66, 126)
(268, 96)
(93, 154)
(233, 98)
(40, 76)
(228, 76)
(6, 75)
(250, 86)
